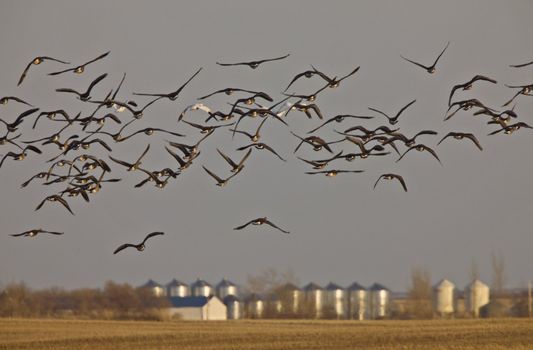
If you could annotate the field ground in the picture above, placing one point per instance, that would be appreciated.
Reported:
(248, 334)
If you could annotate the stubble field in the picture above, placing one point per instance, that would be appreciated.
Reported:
(247, 334)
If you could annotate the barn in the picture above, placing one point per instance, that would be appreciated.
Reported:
(198, 308)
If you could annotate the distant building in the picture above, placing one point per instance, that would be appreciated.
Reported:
(198, 308)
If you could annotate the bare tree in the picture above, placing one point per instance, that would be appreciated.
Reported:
(474, 270)
(420, 293)
(497, 263)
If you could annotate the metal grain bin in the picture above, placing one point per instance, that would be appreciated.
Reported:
(177, 288)
(444, 298)
(477, 295)
(155, 288)
(379, 301)
(225, 288)
(357, 302)
(233, 307)
(290, 297)
(256, 306)
(314, 299)
(201, 288)
(335, 300)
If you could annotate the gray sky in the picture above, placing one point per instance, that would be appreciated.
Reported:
(341, 230)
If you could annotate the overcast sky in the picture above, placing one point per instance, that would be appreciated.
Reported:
(341, 229)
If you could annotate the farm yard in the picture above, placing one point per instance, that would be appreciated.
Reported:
(251, 334)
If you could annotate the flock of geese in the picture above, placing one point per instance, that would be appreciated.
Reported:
(84, 174)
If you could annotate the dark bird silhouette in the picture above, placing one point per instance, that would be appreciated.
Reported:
(183, 164)
(316, 142)
(462, 135)
(260, 221)
(21, 155)
(12, 127)
(53, 114)
(55, 198)
(311, 98)
(255, 137)
(4, 100)
(172, 95)
(231, 91)
(393, 120)
(365, 153)
(465, 105)
(521, 65)
(5, 139)
(261, 145)
(132, 166)
(36, 61)
(235, 167)
(509, 129)
(81, 68)
(468, 85)
(309, 74)
(149, 132)
(430, 69)
(391, 177)
(141, 246)
(334, 172)
(420, 148)
(306, 108)
(253, 64)
(322, 163)
(220, 182)
(523, 90)
(35, 232)
(338, 119)
(333, 83)
(85, 96)
(206, 129)
(397, 136)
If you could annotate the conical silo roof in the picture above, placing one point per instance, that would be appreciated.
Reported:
(333, 286)
(356, 286)
(312, 287)
(377, 287)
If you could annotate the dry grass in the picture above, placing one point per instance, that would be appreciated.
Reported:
(452, 334)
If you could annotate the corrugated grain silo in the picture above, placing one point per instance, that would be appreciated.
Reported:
(477, 295)
(157, 289)
(177, 288)
(290, 297)
(335, 300)
(233, 307)
(379, 301)
(444, 298)
(225, 288)
(255, 306)
(201, 288)
(357, 302)
(314, 299)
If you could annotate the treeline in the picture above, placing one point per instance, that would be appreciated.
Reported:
(114, 301)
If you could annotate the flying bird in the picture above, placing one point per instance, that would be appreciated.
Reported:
(309, 74)
(21, 155)
(4, 100)
(420, 148)
(393, 120)
(231, 91)
(141, 246)
(430, 69)
(462, 135)
(220, 182)
(260, 221)
(334, 172)
(338, 119)
(85, 96)
(524, 90)
(253, 64)
(172, 95)
(391, 177)
(509, 129)
(36, 61)
(261, 145)
(521, 65)
(236, 167)
(468, 85)
(81, 68)
(35, 232)
(55, 198)
(131, 166)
